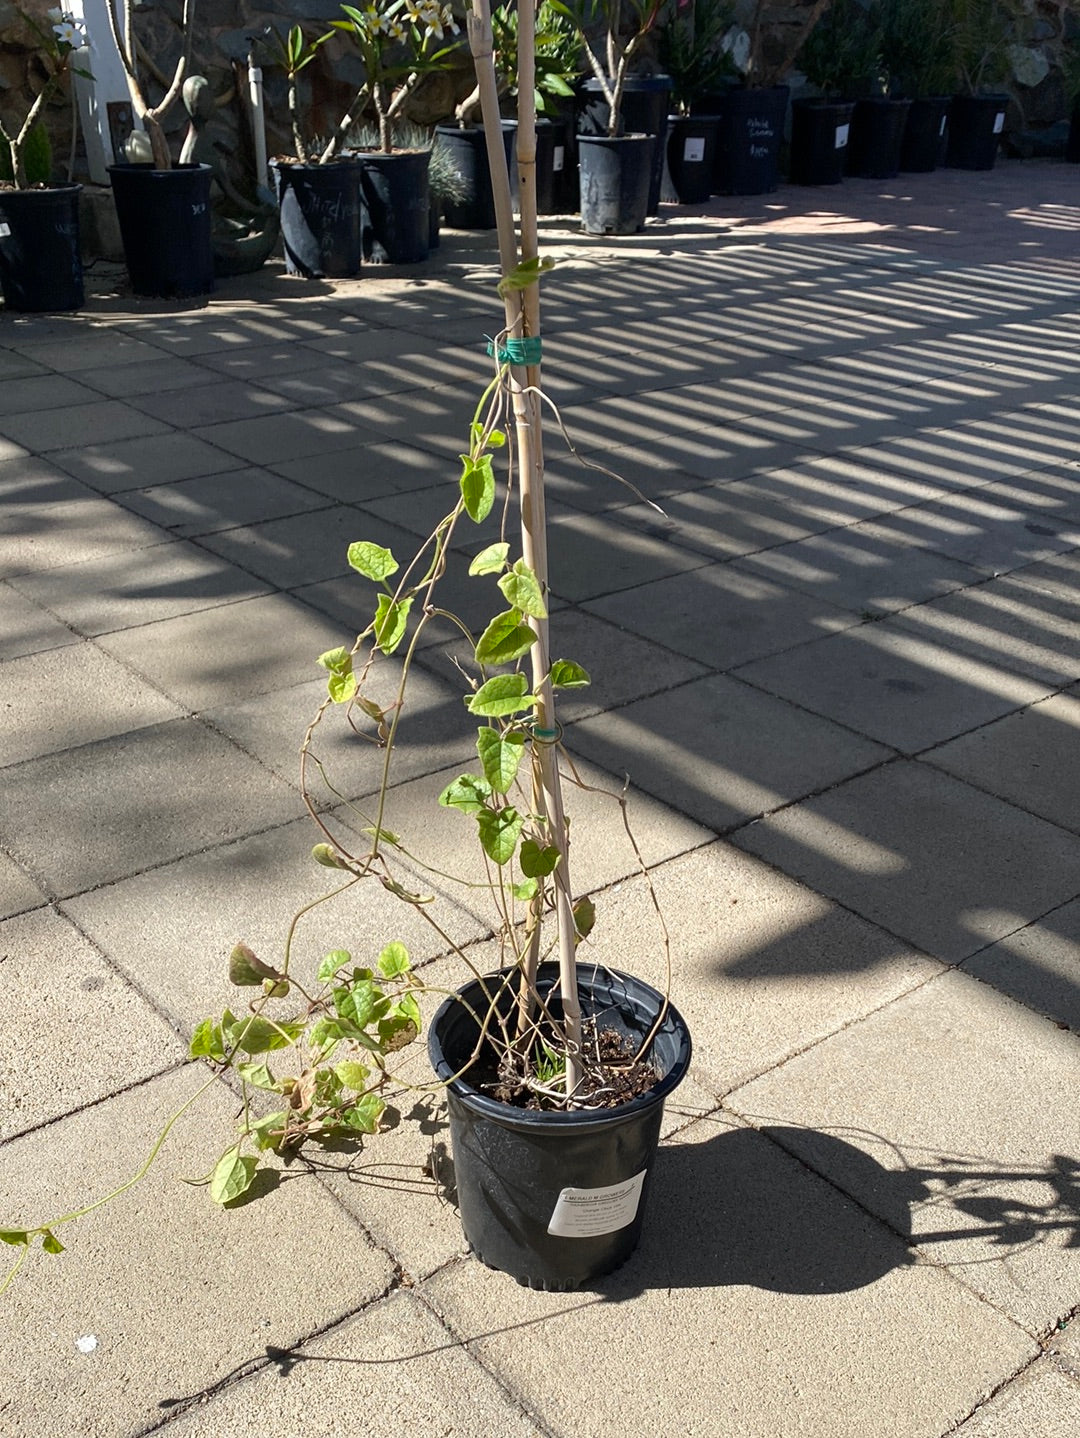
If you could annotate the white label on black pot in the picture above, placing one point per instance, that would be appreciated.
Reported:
(694, 150)
(944, 122)
(5, 230)
(559, 158)
(842, 132)
(999, 122)
(589, 1212)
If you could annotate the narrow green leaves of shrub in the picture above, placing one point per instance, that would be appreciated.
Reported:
(491, 560)
(504, 694)
(522, 589)
(501, 755)
(565, 674)
(505, 639)
(477, 486)
(232, 1175)
(500, 830)
(372, 560)
(390, 619)
(536, 861)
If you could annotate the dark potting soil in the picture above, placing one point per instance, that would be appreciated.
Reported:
(612, 1076)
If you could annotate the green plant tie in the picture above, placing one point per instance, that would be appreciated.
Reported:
(547, 736)
(517, 351)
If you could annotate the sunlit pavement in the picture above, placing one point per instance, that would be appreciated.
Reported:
(831, 619)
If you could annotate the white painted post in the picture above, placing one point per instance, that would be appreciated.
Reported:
(108, 85)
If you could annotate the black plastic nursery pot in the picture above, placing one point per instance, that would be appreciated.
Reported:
(468, 152)
(398, 202)
(820, 130)
(644, 111)
(877, 134)
(614, 175)
(1072, 144)
(691, 155)
(748, 148)
(975, 126)
(165, 226)
(556, 1199)
(925, 129)
(322, 216)
(555, 167)
(40, 258)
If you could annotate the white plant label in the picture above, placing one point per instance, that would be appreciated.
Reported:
(944, 122)
(589, 1212)
(5, 230)
(694, 150)
(559, 158)
(999, 122)
(842, 132)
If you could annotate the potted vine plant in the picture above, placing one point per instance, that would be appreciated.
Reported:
(691, 47)
(163, 208)
(982, 31)
(40, 259)
(555, 1070)
(620, 139)
(917, 49)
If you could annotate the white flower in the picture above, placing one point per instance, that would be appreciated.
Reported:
(395, 29)
(68, 33)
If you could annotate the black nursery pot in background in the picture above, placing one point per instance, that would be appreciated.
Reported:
(556, 188)
(468, 153)
(614, 174)
(644, 111)
(925, 132)
(975, 126)
(165, 224)
(321, 218)
(556, 1199)
(820, 130)
(691, 155)
(748, 148)
(40, 258)
(397, 199)
(877, 135)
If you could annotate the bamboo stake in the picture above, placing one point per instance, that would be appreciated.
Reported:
(523, 319)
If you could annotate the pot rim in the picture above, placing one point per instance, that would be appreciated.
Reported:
(575, 1120)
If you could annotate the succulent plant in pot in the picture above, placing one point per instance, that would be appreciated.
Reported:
(40, 259)
(555, 1069)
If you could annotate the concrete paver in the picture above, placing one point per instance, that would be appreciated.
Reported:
(942, 864)
(101, 699)
(1043, 1400)
(133, 801)
(91, 1033)
(847, 403)
(785, 1293)
(722, 751)
(982, 1185)
(215, 1288)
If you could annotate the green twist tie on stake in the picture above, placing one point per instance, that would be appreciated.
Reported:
(517, 351)
(547, 736)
